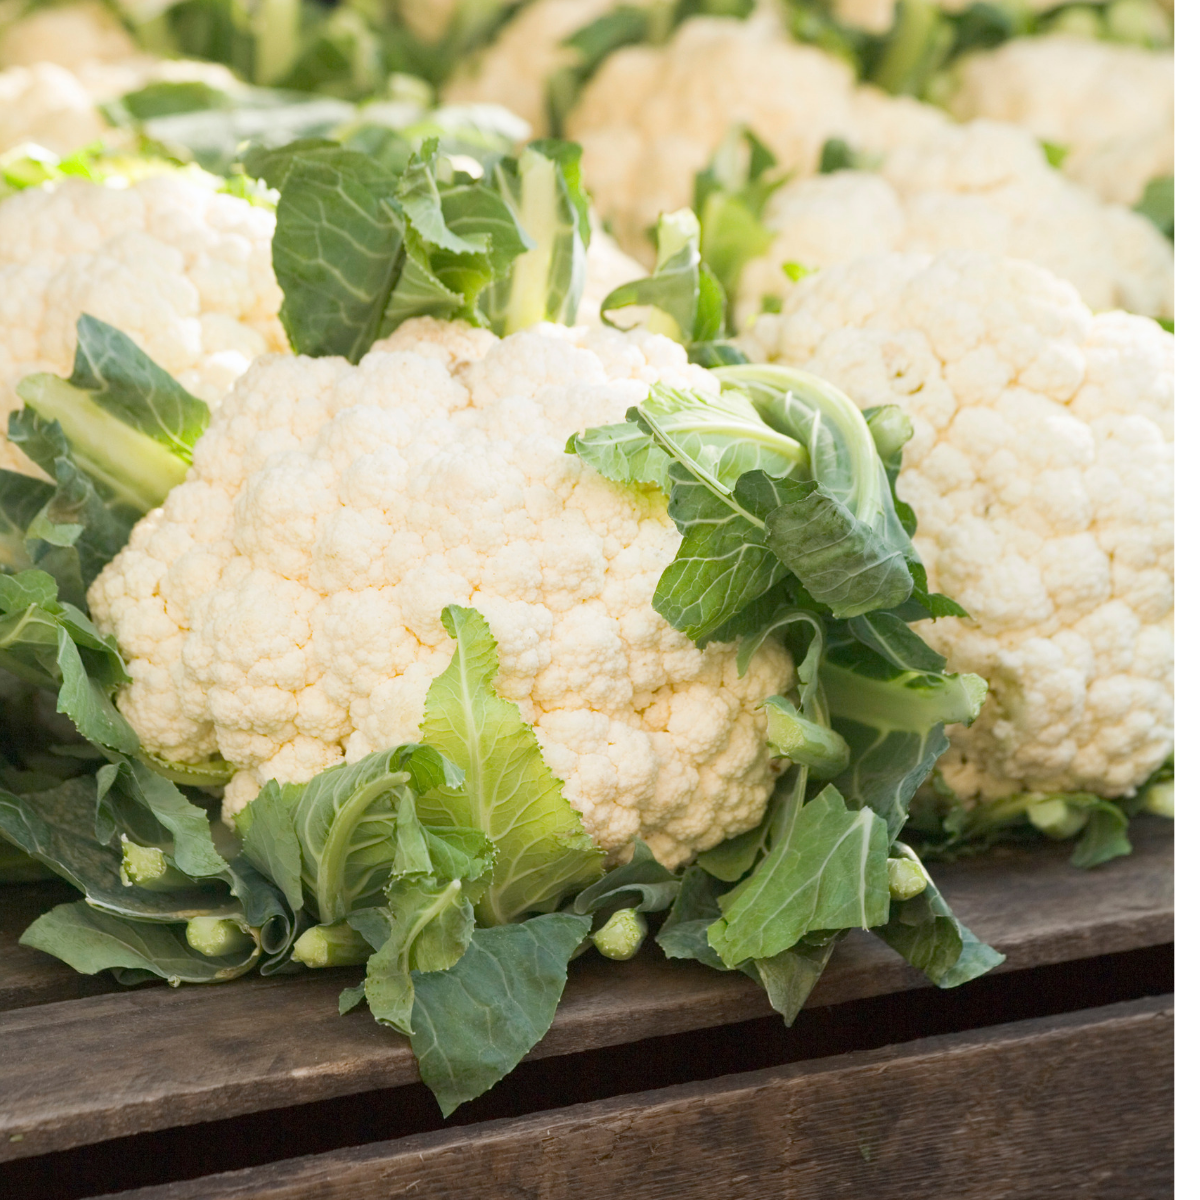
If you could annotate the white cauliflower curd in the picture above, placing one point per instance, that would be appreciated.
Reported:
(1111, 106)
(182, 268)
(283, 607)
(983, 186)
(1041, 476)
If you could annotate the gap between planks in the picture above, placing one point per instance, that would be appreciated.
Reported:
(1034, 1109)
(156, 1058)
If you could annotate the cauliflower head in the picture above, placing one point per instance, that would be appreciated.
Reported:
(283, 606)
(1041, 475)
(1112, 106)
(182, 268)
(515, 68)
(652, 115)
(983, 186)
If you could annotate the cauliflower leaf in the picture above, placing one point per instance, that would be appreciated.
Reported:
(542, 851)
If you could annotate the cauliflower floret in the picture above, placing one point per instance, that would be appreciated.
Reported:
(181, 268)
(1112, 106)
(1040, 471)
(283, 606)
(983, 186)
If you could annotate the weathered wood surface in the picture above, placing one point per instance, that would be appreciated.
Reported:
(156, 1058)
(1076, 1105)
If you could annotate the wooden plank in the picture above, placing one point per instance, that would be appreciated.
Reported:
(1076, 1105)
(29, 976)
(157, 1058)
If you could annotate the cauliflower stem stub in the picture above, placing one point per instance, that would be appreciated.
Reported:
(283, 607)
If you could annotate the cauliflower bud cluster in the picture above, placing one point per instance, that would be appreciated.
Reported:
(1041, 472)
(283, 607)
(182, 268)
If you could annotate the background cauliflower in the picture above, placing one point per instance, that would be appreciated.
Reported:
(516, 67)
(1111, 106)
(283, 607)
(982, 186)
(1041, 476)
(182, 268)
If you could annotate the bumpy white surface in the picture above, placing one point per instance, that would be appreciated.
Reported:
(1041, 475)
(1112, 106)
(56, 108)
(283, 607)
(181, 268)
(514, 69)
(651, 116)
(68, 35)
(982, 186)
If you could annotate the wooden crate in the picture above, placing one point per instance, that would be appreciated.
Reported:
(657, 1079)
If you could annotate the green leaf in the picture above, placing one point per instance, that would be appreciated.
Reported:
(789, 977)
(826, 869)
(475, 1021)
(893, 722)
(89, 941)
(623, 453)
(642, 883)
(1158, 204)
(128, 793)
(542, 851)
(718, 438)
(345, 821)
(1104, 836)
(684, 934)
(689, 301)
(127, 383)
(547, 276)
(55, 827)
(927, 934)
(337, 251)
(724, 562)
(432, 923)
(85, 700)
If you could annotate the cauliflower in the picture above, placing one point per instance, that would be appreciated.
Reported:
(1111, 106)
(652, 116)
(283, 606)
(182, 268)
(67, 35)
(57, 108)
(515, 68)
(983, 186)
(1041, 475)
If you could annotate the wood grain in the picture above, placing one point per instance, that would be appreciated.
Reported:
(157, 1058)
(1076, 1105)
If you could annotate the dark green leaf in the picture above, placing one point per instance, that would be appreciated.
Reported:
(684, 934)
(1104, 836)
(474, 1022)
(337, 251)
(89, 941)
(724, 563)
(790, 976)
(928, 935)
(642, 883)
